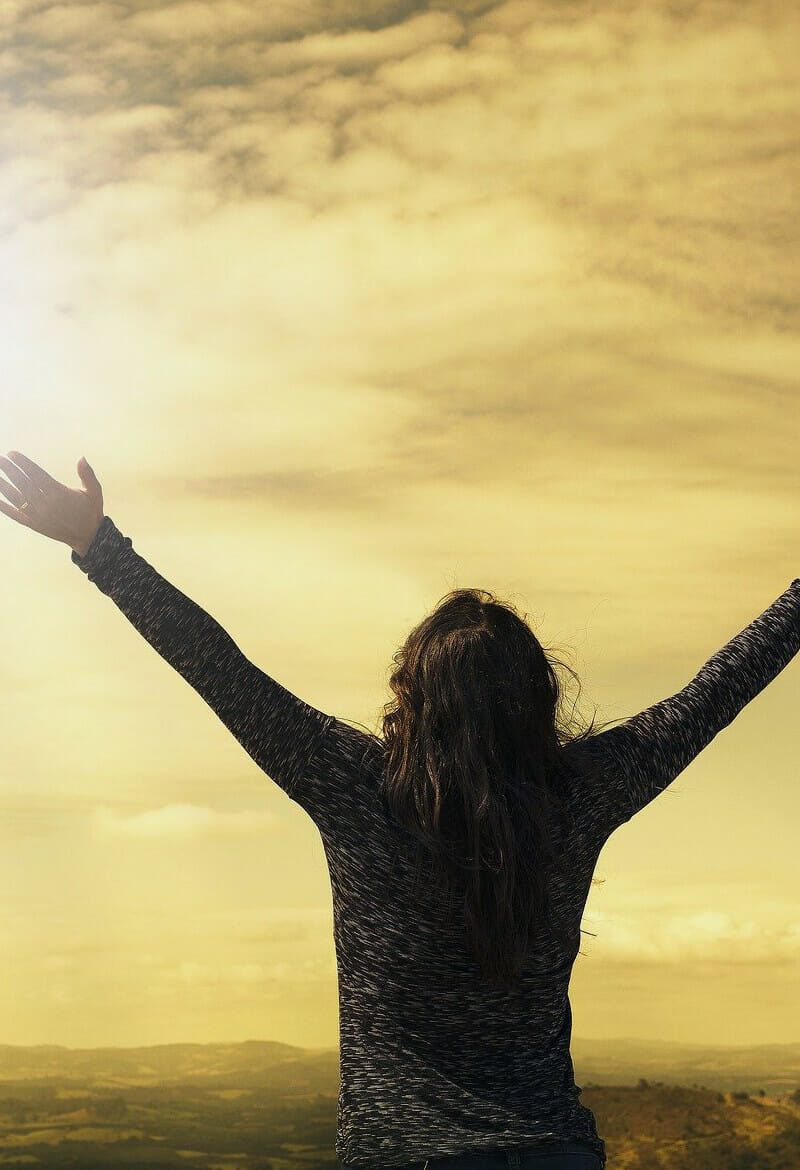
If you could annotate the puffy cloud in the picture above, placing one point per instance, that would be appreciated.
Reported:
(368, 47)
(702, 924)
(698, 937)
(181, 820)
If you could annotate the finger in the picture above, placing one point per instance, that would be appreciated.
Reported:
(15, 514)
(11, 493)
(18, 477)
(38, 474)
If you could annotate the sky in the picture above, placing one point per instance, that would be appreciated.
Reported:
(349, 304)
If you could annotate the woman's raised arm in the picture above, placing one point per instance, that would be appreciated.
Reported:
(275, 727)
(637, 759)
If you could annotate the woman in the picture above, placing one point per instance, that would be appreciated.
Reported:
(461, 844)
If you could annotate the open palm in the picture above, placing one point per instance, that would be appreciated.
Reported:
(40, 502)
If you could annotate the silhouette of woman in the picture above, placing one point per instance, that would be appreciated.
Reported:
(460, 844)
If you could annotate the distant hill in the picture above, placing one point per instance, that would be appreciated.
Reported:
(262, 1062)
(772, 1067)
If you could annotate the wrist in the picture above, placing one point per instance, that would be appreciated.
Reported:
(81, 546)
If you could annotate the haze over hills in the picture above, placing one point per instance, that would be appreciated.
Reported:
(619, 1061)
(773, 1067)
(265, 1062)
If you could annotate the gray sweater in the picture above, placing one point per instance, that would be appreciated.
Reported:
(431, 1062)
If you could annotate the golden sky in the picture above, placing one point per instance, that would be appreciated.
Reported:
(348, 304)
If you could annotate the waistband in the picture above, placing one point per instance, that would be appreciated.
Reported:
(504, 1156)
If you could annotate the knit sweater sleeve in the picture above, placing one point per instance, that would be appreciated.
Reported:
(279, 731)
(637, 759)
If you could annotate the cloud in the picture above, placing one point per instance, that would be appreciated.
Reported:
(181, 820)
(439, 69)
(667, 924)
(275, 925)
(708, 936)
(367, 47)
(243, 975)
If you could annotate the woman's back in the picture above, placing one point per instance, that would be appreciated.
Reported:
(430, 1059)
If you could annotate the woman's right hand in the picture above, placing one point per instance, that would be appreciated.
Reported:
(70, 515)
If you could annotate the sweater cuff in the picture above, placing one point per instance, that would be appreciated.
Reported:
(106, 545)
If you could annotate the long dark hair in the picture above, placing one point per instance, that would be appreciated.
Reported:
(474, 737)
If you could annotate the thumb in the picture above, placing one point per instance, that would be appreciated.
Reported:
(88, 477)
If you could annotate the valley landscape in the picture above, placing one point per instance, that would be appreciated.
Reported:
(260, 1105)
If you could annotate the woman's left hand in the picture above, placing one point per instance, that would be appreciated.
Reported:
(70, 515)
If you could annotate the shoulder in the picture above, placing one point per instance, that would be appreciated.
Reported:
(354, 747)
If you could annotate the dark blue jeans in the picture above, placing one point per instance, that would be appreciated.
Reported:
(545, 1156)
